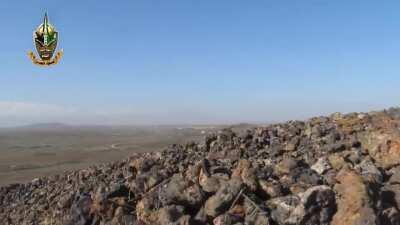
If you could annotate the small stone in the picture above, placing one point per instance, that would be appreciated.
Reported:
(283, 207)
(368, 170)
(270, 189)
(170, 214)
(286, 165)
(246, 173)
(220, 201)
(321, 166)
(336, 161)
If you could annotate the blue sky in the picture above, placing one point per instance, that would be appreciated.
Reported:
(179, 61)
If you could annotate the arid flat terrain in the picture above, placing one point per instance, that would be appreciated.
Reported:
(45, 149)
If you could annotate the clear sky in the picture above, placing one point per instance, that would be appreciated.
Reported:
(180, 61)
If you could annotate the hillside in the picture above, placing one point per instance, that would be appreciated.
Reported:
(340, 169)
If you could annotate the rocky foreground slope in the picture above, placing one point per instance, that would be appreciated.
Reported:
(342, 169)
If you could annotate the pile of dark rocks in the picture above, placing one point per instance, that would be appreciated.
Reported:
(341, 169)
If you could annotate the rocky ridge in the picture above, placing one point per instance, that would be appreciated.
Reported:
(341, 169)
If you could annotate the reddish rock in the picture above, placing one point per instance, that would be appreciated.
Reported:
(354, 206)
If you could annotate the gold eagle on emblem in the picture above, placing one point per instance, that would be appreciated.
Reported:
(45, 38)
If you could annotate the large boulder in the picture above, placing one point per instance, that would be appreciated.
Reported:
(383, 147)
(354, 206)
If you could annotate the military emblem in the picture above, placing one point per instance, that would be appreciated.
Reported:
(45, 38)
